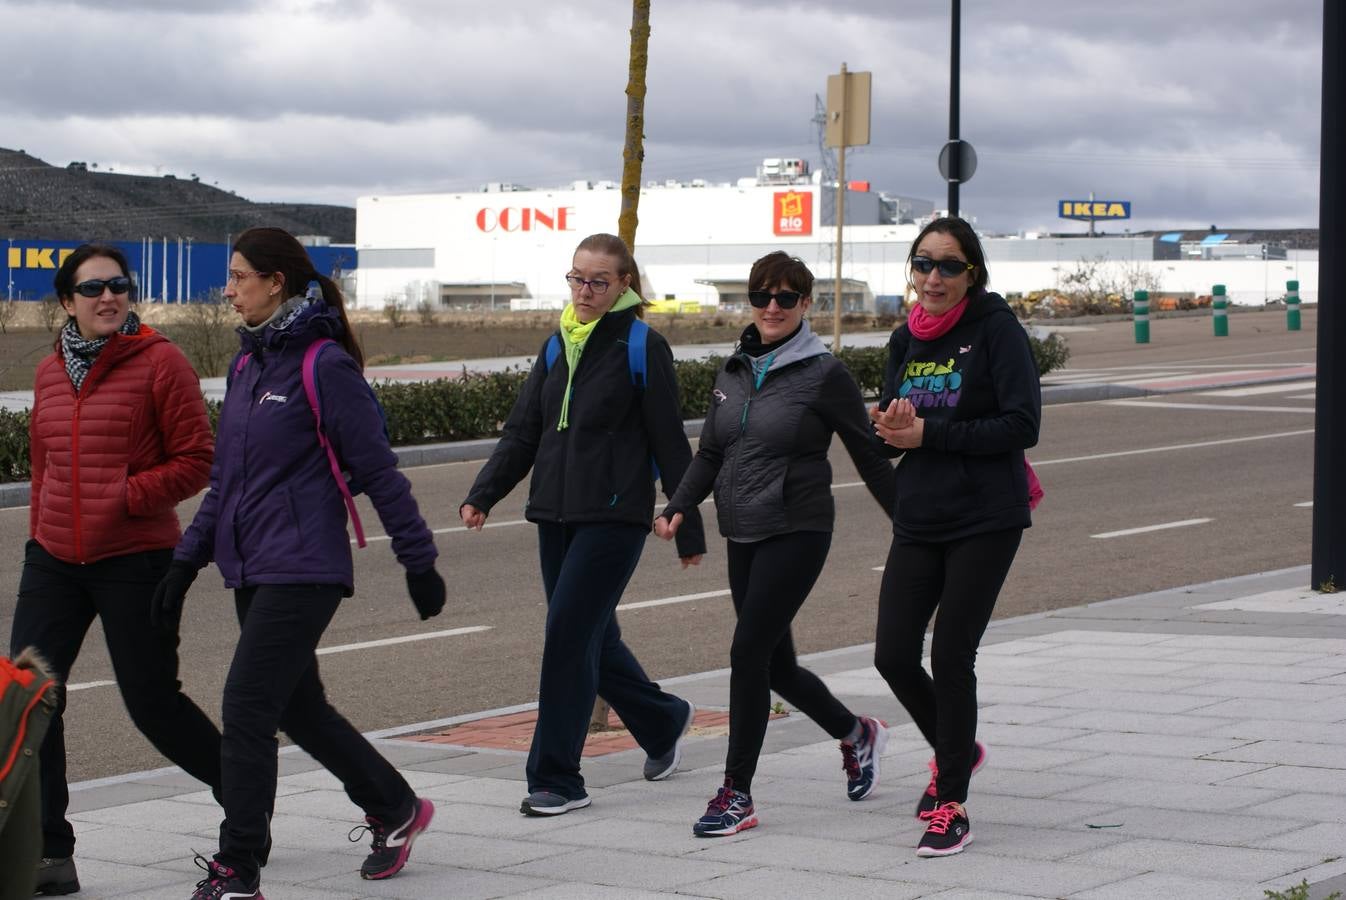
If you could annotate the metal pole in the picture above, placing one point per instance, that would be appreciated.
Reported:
(1329, 437)
(189, 268)
(841, 217)
(955, 158)
(178, 274)
(149, 267)
(1219, 308)
(165, 269)
(1292, 306)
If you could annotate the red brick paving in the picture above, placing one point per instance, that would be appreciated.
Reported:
(514, 731)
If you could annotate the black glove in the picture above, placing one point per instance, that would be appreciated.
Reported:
(166, 605)
(427, 592)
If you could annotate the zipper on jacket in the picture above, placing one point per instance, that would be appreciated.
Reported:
(754, 385)
(74, 481)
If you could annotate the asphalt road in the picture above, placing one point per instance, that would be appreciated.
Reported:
(1239, 462)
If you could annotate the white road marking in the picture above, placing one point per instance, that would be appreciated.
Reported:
(1313, 396)
(451, 529)
(1129, 531)
(88, 684)
(1171, 447)
(1284, 387)
(405, 639)
(683, 598)
(1219, 407)
(1306, 505)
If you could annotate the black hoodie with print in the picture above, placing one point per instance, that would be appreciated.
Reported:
(976, 388)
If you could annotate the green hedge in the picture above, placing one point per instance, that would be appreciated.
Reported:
(475, 405)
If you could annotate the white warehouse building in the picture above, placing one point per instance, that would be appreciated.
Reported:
(505, 247)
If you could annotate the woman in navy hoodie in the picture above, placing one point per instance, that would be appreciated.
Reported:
(960, 403)
(275, 525)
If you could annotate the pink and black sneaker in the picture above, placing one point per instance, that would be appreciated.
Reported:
(929, 800)
(948, 833)
(392, 846)
(224, 883)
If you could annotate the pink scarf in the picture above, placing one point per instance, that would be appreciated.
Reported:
(927, 327)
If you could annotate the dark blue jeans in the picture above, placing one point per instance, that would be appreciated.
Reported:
(273, 684)
(585, 568)
(58, 601)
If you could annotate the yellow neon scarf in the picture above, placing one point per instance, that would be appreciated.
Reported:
(574, 335)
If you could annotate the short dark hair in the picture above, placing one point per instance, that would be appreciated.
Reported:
(778, 266)
(64, 282)
(967, 239)
(276, 252)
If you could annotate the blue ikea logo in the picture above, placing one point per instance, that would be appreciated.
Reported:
(1089, 210)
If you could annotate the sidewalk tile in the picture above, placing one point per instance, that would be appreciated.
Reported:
(1290, 753)
(781, 882)
(1182, 746)
(424, 883)
(1241, 864)
(1293, 780)
(1185, 771)
(622, 868)
(1310, 807)
(1325, 838)
(1244, 828)
(1144, 723)
(1224, 797)
(813, 854)
(989, 872)
(1157, 884)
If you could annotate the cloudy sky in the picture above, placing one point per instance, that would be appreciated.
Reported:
(1199, 112)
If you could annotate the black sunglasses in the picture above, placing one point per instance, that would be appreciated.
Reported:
(94, 288)
(949, 268)
(784, 299)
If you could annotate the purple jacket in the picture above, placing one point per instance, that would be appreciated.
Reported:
(274, 514)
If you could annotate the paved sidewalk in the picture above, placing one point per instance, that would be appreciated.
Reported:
(1189, 743)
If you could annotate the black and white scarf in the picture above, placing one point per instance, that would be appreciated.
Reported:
(80, 353)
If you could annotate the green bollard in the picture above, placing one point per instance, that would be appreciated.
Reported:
(1140, 311)
(1220, 310)
(1292, 306)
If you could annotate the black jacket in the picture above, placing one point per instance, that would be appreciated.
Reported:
(977, 390)
(598, 468)
(764, 445)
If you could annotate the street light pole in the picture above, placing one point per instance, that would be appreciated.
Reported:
(955, 159)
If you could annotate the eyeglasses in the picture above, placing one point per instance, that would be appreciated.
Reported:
(235, 276)
(784, 299)
(597, 285)
(95, 287)
(949, 268)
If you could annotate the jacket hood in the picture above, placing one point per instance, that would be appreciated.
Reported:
(308, 320)
(803, 345)
(987, 303)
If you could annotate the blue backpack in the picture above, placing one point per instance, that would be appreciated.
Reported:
(635, 351)
(636, 339)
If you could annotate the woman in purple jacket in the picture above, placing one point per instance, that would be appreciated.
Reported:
(274, 523)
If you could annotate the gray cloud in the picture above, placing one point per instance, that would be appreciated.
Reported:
(1200, 111)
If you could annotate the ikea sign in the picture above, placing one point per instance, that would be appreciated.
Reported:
(1091, 210)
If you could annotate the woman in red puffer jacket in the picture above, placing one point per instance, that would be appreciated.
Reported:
(119, 436)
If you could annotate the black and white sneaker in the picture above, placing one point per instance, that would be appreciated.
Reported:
(728, 813)
(657, 768)
(861, 759)
(948, 833)
(545, 803)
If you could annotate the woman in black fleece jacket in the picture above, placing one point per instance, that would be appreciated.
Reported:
(775, 406)
(960, 403)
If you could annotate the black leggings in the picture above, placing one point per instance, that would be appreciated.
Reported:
(769, 581)
(962, 578)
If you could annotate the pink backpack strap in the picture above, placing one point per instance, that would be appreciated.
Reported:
(311, 391)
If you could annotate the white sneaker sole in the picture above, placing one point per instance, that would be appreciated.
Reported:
(931, 852)
(750, 822)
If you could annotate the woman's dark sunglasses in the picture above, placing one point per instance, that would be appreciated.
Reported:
(784, 299)
(949, 268)
(94, 288)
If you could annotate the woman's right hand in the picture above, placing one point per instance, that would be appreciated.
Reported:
(472, 517)
(667, 528)
(169, 595)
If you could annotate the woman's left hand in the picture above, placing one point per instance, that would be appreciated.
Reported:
(694, 560)
(904, 436)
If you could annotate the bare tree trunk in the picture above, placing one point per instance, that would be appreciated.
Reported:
(633, 153)
(633, 158)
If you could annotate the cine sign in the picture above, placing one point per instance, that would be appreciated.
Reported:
(1091, 210)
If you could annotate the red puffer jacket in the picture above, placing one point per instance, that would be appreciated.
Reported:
(110, 464)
